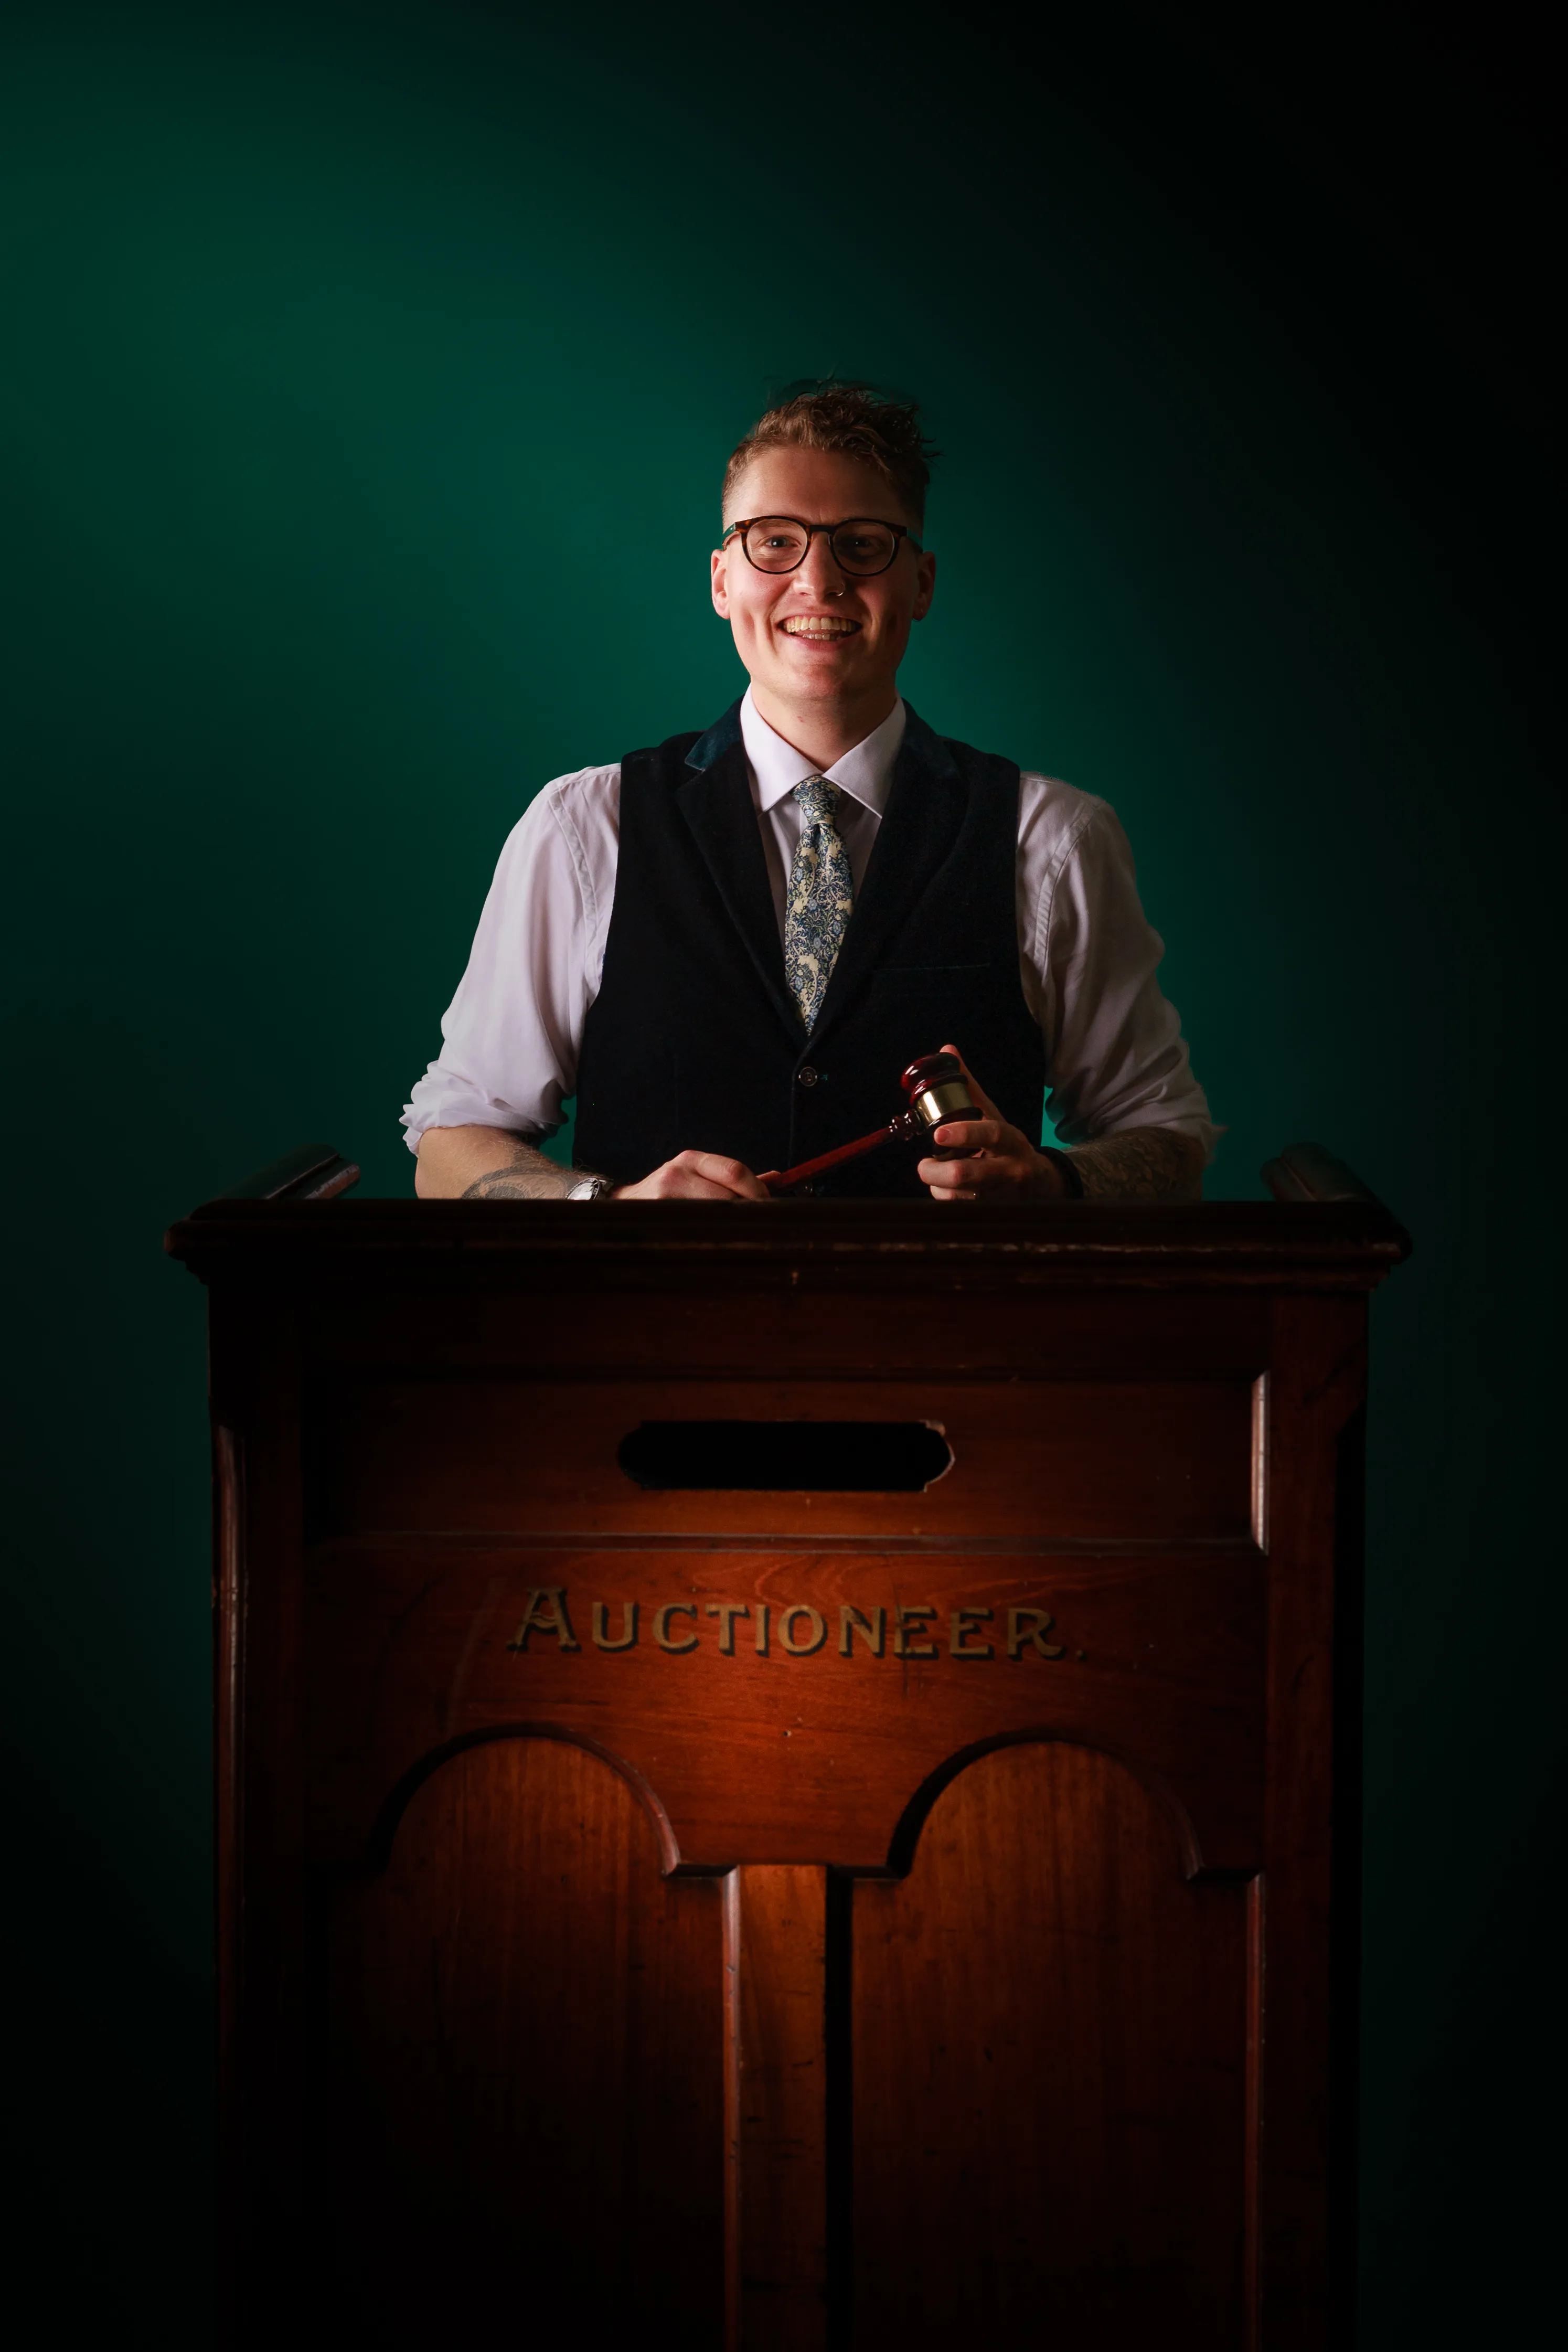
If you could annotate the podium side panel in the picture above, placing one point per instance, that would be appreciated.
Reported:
(260, 1811)
(1307, 1959)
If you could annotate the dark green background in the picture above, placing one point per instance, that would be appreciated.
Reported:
(338, 340)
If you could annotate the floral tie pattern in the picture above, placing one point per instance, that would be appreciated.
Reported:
(821, 898)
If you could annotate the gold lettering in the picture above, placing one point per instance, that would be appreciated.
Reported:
(959, 1621)
(627, 1639)
(815, 1640)
(1019, 1633)
(546, 1613)
(662, 1617)
(904, 1621)
(726, 1612)
(872, 1630)
(762, 1629)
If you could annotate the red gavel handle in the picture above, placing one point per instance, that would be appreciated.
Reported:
(897, 1130)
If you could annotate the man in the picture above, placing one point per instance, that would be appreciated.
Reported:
(728, 947)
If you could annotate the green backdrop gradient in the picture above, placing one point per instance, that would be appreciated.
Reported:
(341, 341)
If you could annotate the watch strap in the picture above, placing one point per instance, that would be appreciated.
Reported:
(1067, 1167)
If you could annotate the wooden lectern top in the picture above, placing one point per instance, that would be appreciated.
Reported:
(1332, 1243)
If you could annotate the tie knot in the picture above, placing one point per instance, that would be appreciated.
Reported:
(819, 800)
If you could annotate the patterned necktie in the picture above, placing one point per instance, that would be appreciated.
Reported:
(821, 898)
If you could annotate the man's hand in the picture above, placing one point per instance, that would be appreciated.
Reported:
(695, 1176)
(487, 1164)
(1145, 1163)
(1000, 1162)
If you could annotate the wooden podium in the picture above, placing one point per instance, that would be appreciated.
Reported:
(788, 1775)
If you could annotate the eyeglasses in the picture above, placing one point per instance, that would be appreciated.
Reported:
(862, 546)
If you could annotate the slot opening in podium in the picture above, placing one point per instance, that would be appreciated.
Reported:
(818, 1458)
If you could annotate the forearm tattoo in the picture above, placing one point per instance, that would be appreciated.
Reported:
(1147, 1163)
(526, 1176)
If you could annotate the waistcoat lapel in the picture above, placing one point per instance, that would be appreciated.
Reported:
(925, 814)
(715, 802)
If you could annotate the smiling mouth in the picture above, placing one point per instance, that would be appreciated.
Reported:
(820, 628)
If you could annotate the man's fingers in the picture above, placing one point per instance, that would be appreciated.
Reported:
(685, 1184)
(976, 1089)
(732, 1175)
(946, 1175)
(970, 1135)
(728, 1178)
(697, 1176)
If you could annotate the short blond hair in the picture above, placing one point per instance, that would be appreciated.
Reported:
(852, 420)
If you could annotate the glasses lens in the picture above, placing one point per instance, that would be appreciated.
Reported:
(776, 543)
(864, 546)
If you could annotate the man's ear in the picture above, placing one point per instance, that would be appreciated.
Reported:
(926, 585)
(719, 581)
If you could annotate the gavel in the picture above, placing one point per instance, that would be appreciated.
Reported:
(937, 1091)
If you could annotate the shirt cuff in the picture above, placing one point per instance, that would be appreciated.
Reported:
(443, 1099)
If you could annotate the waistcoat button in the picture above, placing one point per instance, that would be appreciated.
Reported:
(806, 1077)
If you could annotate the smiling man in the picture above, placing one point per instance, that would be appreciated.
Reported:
(727, 948)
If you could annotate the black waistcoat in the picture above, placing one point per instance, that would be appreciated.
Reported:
(694, 1041)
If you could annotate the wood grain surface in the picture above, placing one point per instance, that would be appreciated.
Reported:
(777, 2141)
(1048, 2071)
(794, 1921)
(526, 2101)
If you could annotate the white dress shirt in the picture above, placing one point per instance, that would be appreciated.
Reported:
(1087, 957)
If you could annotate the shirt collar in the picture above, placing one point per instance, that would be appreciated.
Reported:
(865, 772)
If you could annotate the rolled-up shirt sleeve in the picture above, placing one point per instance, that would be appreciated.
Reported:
(1116, 1051)
(511, 1035)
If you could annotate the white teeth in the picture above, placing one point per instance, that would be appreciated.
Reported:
(814, 627)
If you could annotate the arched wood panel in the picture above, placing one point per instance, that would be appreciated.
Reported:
(1049, 2093)
(521, 2067)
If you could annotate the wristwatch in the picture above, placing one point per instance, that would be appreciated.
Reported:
(589, 1187)
(1066, 1168)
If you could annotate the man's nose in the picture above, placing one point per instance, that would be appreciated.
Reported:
(820, 571)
